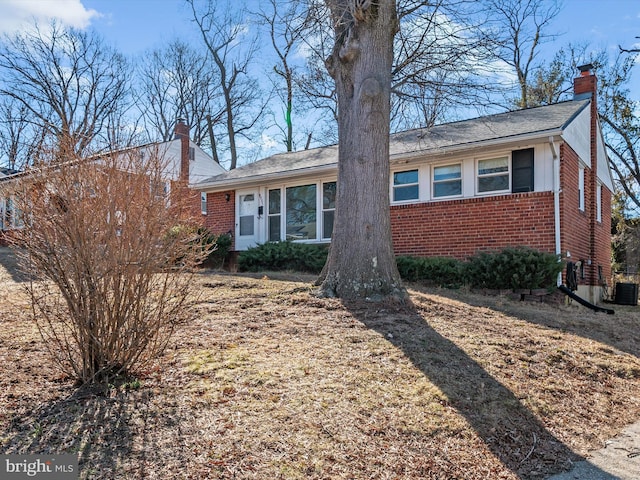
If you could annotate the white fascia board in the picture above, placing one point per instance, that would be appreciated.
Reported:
(256, 180)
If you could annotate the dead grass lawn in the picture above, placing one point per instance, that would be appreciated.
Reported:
(270, 382)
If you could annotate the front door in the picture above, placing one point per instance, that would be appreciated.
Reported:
(247, 219)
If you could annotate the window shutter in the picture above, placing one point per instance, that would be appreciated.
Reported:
(522, 167)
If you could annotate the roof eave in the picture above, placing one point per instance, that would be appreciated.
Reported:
(502, 141)
(222, 185)
(219, 186)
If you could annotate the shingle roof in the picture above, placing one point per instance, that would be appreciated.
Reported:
(5, 172)
(503, 126)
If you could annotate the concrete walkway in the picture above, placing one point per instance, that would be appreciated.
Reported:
(619, 460)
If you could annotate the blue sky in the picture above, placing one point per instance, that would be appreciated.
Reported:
(134, 26)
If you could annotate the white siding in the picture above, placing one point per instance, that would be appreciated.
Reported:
(203, 166)
(578, 136)
(604, 172)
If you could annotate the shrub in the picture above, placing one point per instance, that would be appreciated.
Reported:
(219, 245)
(513, 268)
(118, 262)
(287, 255)
(443, 272)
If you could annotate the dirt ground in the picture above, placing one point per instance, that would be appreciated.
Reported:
(270, 382)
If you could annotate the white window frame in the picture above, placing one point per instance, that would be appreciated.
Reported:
(599, 202)
(13, 217)
(403, 185)
(203, 203)
(434, 182)
(283, 210)
(506, 173)
(1, 213)
(323, 210)
(581, 172)
(270, 214)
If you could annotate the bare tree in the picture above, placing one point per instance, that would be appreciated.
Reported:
(361, 262)
(521, 26)
(620, 124)
(176, 82)
(629, 50)
(18, 137)
(68, 81)
(437, 54)
(316, 86)
(286, 28)
(223, 30)
(109, 256)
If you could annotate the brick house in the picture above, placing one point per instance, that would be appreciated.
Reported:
(537, 177)
(184, 163)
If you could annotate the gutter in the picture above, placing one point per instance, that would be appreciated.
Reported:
(556, 202)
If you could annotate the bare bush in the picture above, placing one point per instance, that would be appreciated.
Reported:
(109, 246)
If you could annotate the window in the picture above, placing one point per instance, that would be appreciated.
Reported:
(405, 186)
(159, 189)
(273, 215)
(447, 180)
(522, 170)
(246, 214)
(581, 188)
(301, 212)
(599, 202)
(493, 175)
(203, 203)
(192, 153)
(8, 213)
(328, 208)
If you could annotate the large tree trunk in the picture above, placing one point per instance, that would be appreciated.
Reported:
(361, 261)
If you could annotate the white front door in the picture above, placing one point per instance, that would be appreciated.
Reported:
(247, 227)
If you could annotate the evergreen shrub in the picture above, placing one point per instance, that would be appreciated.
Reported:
(287, 255)
(513, 268)
(440, 271)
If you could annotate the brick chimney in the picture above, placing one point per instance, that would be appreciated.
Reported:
(181, 132)
(585, 87)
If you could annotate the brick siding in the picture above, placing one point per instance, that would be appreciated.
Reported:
(461, 228)
(221, 213)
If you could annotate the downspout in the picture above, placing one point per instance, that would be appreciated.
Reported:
(556, 202)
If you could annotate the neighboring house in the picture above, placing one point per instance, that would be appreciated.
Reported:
(185, 162)
(537, 177)
(6, 209)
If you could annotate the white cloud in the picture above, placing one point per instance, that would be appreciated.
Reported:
(19, 14)
(268, 142)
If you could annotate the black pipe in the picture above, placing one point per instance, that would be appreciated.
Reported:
(582, 301)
